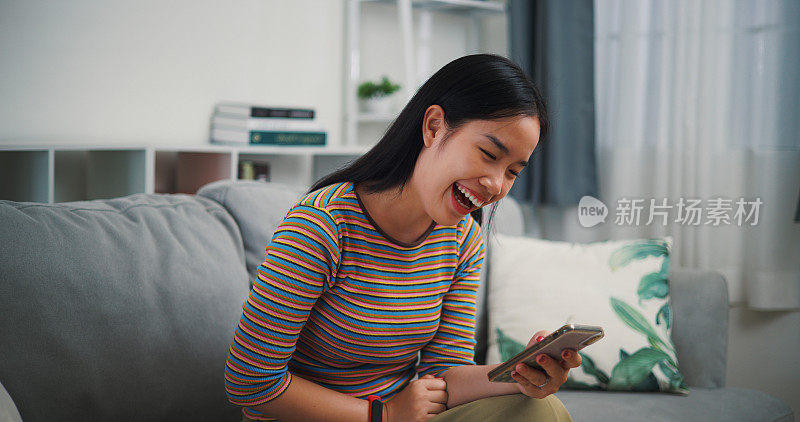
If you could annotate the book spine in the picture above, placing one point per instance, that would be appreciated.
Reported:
(288, 113)
(233, 110)
(243, 110)
(258, 137)
(276, 124)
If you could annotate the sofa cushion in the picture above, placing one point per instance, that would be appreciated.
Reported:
(119, 309)
(619, 285)
(258, 208)
(702, 405)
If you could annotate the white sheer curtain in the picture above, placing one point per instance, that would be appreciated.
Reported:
(701, 100)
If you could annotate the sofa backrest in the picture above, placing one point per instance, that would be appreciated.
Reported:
(257, 208)
(119, 309)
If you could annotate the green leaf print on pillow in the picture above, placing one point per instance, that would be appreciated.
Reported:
(634, 372)
(508, 346)
(632, 318)
(653, 285)
(588, 366)
(664, 316)
(638, 250)
(631, 370)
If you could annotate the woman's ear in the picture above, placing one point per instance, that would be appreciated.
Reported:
(433, 125)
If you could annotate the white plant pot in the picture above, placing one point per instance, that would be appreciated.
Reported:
(377, 105)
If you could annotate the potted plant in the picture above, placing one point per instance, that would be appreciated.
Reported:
(376, 97)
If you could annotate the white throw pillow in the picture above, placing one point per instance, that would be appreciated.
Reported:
(618, 285)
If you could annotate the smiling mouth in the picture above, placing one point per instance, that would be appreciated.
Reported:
(463, 199)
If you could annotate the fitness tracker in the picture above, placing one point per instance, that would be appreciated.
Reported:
(375, 408)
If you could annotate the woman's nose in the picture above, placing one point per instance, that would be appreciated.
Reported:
(493, 184)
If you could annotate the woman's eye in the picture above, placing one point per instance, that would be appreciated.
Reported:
(488, 154)
(515, 173)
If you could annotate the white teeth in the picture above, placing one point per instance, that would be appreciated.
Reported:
(472, 198)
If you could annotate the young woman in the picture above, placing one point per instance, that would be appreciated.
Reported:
(369, 283)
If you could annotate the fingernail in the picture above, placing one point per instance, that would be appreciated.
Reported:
(514, 373)
(566, 354)
(540, 338)
(441, 378)
(541, 358)
(519, 368)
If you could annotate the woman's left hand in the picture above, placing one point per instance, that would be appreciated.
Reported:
(535, 383)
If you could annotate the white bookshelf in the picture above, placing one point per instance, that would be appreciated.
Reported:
(62, 173)
(360, 128)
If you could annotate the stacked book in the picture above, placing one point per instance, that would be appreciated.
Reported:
(247, 124)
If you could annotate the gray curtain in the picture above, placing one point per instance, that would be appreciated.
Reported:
(553, 41)
(797, 212)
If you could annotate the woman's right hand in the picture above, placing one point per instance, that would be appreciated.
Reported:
(421, 400)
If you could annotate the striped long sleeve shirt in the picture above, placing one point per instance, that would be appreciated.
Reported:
(340, 303)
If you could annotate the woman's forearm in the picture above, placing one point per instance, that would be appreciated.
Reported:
(304, 400)
(469, 383)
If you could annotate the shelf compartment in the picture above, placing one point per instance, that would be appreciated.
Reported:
(289, 169)
(187, 171)
(81, 175)
(25, 176)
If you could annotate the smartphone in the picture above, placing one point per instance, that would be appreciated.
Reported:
(570, 336)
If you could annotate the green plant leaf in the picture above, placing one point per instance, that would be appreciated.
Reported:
(635, 320)
(387, 87)
(366, 90)
(632, 370)
(508, 347)
(371, 89)
(664, 315)
(653, 285)
(588, 366)
(635, 251)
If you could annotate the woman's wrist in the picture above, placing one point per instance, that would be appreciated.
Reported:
(386, 411)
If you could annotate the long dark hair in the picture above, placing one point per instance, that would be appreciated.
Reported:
(474, 87)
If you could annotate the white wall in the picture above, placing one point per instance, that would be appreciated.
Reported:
(149, 72)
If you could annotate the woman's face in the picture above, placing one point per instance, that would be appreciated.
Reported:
(475, 167)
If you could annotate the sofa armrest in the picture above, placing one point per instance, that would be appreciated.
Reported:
(700, 325)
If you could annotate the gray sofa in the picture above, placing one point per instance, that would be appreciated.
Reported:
(123, 309)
